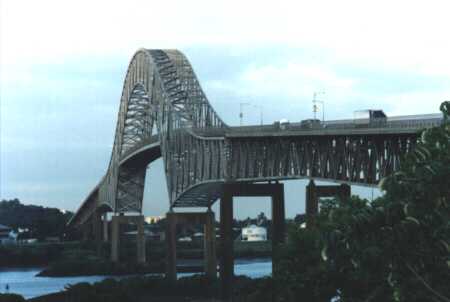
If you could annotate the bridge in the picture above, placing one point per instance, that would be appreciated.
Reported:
(164, 113)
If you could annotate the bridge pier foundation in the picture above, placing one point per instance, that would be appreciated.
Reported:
(97, 229)
(276, 192)
(209, 241)
(115, 236)
(226, 244)
(171, 230)
(314, 192)
(105, 228)
(86, 230)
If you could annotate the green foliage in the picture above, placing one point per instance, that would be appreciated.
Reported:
(393, 249)
(42, 222)
(141, 289)
(11, 298)
(32, 254)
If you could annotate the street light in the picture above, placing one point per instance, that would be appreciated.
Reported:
(315, 100)
(260, 113)
(241, 113)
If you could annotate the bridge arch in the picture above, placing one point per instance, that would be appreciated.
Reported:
(160, 90)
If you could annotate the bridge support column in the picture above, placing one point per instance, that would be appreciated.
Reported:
(274, 190)
(85, 229)
(210, 246)
(345, 192)
(97, 229)
(313, 193)
(226, 242)
(312, 203)
(140, 240)
(278, 224)
(171, 228)
(115, 236)
(105, 228)
(207, 219)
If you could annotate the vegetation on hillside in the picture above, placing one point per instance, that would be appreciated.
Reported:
(40, 221)
(395, 248)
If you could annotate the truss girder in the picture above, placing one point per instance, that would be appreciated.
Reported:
(358, 159)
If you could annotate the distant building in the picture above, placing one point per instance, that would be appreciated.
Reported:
(152, 235)
(254, 233)
(153, 219)
(7, 235)
(185, 239)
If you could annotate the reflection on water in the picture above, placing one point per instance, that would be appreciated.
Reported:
(24, 281)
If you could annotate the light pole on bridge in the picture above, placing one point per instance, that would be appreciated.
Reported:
(315, 100)
(241, 112)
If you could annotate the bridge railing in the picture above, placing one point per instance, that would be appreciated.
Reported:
(410, 123)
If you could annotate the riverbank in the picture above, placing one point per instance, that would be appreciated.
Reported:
(109, 268)
(80, 259)
(154, 288)
(44, 254)
(24, 281)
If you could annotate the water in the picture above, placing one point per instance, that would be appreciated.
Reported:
(24, 281)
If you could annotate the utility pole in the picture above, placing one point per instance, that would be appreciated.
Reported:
(315, 101)
(260, 113)
(241, 113)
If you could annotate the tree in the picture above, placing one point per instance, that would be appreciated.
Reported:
(393, 249)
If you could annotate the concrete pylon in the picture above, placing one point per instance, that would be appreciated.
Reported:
(105, 228)
(345, 192)
(226, 244)
(171, 226)
(85, 229)
(314, 192)
(97, 229)
(274, 190)
(278, 225)
(115, 236)
(209, 241)
(312, 203)
(207, 219)
(140, 240)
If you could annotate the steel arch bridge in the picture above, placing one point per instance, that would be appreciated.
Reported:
(164, 113)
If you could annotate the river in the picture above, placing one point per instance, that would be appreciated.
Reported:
(23, 281)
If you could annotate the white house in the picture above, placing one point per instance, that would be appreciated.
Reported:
(254, 233)
(7, 235)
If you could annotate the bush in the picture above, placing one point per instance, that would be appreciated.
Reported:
(11, 298)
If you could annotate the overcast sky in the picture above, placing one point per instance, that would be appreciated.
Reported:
(63, 65)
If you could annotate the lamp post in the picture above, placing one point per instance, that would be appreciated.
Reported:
(241, 112)
(315, 100)
(260, 113)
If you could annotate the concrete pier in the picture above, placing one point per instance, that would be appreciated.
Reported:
(105, 228)
(273, 190)
(115, 236)
(314, 192)
(209, 241)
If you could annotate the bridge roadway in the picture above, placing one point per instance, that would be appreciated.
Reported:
(395, 138)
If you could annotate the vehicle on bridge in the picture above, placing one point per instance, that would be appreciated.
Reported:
(311, 124)
(369, 117)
